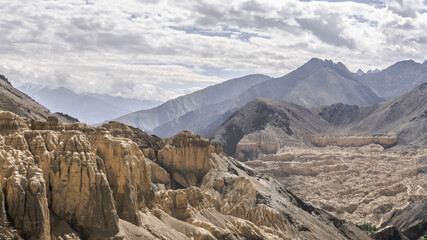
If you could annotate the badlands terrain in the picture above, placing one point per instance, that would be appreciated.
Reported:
(72, 181)
(360, 184)
(309, 172)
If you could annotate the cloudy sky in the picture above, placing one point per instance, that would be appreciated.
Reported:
(159, 49)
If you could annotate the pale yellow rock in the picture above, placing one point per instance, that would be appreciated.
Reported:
(26, 201)
(10, 123)
(80, 193)
(353, 141)
(187, 153)
(128, 173)
(93, 176)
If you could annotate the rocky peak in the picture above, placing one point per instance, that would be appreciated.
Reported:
(316, 64)
(10, 122)
(187, 157)
(52, 123)
(144, 140)
(2, 77)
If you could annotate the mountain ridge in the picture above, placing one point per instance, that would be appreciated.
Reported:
(299, 86)
(148, 120)
(89, 108)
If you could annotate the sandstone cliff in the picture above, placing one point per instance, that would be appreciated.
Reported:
(64, 181)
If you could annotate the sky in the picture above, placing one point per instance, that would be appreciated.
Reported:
(160, 49)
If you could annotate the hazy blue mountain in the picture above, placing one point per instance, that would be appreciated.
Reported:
(13, 100)
(88, 108)
(315, 83)
(396, 80)
(148, 120)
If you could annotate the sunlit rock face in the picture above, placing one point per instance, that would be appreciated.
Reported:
(61, 181)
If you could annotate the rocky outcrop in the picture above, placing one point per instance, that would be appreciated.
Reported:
(25, 200)
(409, 223)
(354, 141)
(79, 182)
(127, 173)
(187, 158)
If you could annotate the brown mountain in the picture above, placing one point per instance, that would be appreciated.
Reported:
(264, 125)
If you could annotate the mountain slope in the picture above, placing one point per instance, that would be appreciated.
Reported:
(404, 116)
(19, 103)
(263, 126)
(396, 80)
(315, 83)
(89, 108)
(408, 223)
(152, 118)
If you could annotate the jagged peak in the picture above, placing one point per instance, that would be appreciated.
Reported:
(2, 77)
(316, 63)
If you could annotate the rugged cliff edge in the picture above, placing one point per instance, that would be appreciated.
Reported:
(79, 182)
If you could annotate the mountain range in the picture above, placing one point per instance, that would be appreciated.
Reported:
(263, 126)
(74, 181)
(148, 120)
(316, 83)
(396, 80)
(90, 108)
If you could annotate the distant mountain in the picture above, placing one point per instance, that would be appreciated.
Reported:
(13, 100)
(148, 120)
(404, 116)
(315, 83)
(88, 108)
(360, 72)
(264, 125)
(396, 80)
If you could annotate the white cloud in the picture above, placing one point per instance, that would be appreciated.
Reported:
(136, 48)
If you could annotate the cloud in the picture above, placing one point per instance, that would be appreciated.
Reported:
(327, 29)
(406, 8)
(160, 49)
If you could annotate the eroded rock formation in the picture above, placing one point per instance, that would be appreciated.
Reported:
(363, 185)
(64, 181)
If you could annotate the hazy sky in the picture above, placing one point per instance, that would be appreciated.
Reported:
(159, 49)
